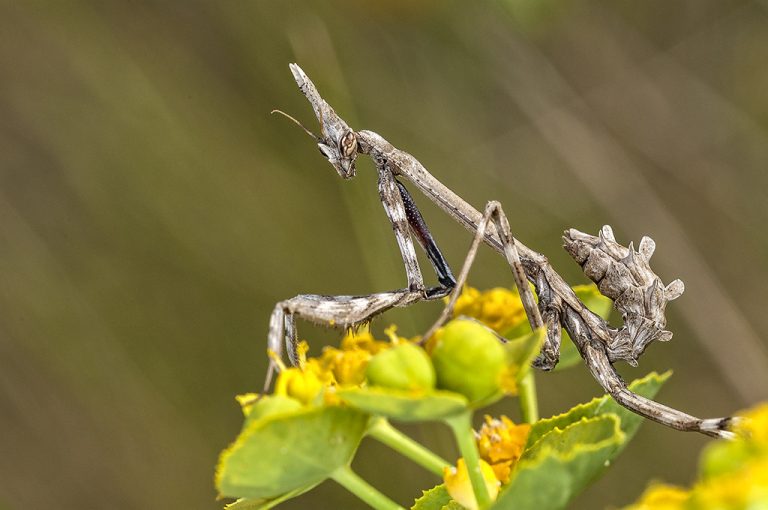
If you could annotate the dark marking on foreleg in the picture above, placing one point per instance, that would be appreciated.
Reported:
(425, 239)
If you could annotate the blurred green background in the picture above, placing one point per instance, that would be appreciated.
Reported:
(152, 211)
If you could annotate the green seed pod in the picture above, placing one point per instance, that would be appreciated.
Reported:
(404, 367)
(469, 359)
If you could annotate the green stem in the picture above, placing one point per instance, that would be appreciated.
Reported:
(529, 405)
(461, 425)
(383, 431)
(347, 478)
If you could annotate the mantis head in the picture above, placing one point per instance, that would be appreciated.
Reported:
(337, 141)
(341, 152)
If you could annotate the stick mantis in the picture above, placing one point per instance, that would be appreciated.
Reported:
(621, 273)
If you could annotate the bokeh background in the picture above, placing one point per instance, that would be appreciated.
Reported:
(152, 211)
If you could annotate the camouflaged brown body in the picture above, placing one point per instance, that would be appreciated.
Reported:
(621, 273)
(624, 275)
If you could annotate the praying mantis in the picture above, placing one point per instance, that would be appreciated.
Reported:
(621, 273)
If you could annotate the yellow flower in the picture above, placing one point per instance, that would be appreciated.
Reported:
(745, 488)
(508, 380)
(468, 302)
(501, 443)
(499, 308)
(734, 474)
(755, 425)
(362, 339)
(323, 372)
(303, 385)
(662, 497)
(346, 365)
(460, 488)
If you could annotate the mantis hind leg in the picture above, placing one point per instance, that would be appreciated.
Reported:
(601, 368)
(494, 215)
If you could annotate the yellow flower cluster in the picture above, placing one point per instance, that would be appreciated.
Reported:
(755, 425)
(500, 309)
(344, 366)
(347, 364)
(745, 488)
(301, 383)
(735, 474)
(500, 443)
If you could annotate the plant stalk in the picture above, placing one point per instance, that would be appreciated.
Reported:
(383, 431)
(529, 405)
(461, 425)
(348, 479)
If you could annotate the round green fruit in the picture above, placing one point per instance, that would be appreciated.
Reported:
(469, 359)
(404, 367)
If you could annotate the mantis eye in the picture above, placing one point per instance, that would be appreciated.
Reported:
(348, 144)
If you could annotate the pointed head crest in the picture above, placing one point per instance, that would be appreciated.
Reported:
(337, 141)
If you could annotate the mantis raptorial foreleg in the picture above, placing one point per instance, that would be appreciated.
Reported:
(344, 311)
(350, 311)
(391, 199)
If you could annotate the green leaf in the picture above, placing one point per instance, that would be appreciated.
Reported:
(590, 296)
(584, 431)
(434, 499)
(247, 504)
(404, 405)
(269, 405)
(523, 350)
(265, 504)
(568, 451)
(648, 386)
(288, 452)
(561, 464)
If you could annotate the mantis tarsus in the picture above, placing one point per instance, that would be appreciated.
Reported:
(622, 273)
